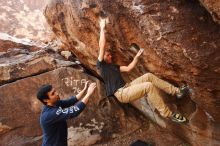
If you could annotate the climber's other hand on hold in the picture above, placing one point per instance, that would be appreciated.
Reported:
(139, 53)
(133, 63)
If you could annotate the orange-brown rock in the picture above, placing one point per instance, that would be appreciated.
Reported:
(9, 42)
(181, 42)
(20, 60)
(213, 6)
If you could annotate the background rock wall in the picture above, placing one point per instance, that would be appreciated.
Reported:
(24, 19)
(213, 6)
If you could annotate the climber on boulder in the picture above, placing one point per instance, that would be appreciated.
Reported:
(148, 84)
(55, 112)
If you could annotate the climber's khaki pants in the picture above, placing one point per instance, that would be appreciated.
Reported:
(151, 85)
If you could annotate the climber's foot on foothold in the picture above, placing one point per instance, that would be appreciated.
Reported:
(184, 91)
(178, 118)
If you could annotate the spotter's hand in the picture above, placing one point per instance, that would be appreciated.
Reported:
(91, 88)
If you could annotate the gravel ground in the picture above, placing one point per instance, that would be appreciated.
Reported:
(149, 133)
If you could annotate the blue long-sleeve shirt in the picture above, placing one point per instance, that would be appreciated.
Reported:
(53, 120)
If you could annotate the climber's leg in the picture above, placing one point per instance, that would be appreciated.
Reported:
(137, 91)
(159, 83)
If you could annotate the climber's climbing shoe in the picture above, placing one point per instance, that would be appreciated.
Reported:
(176, 117)
(184, 91)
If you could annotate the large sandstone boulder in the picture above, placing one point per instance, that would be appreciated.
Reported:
(181, 42)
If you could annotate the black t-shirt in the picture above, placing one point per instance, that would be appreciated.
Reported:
(112, 77)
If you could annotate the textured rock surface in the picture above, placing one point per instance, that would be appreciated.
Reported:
(9, 42)
(19, 60)
(213, 6)
(181, 42)
(24, 19)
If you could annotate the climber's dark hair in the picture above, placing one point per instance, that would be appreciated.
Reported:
(42, 92)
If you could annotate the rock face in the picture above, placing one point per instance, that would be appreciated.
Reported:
(24, 19)
(213, 6)
(181, 42)
(19, 60)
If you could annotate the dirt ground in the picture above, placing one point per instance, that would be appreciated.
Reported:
(149, 133)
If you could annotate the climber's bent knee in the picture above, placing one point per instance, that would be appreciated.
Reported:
(121, 98)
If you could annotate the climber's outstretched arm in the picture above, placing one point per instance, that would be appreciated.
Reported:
(102, 40)
(133, 63)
